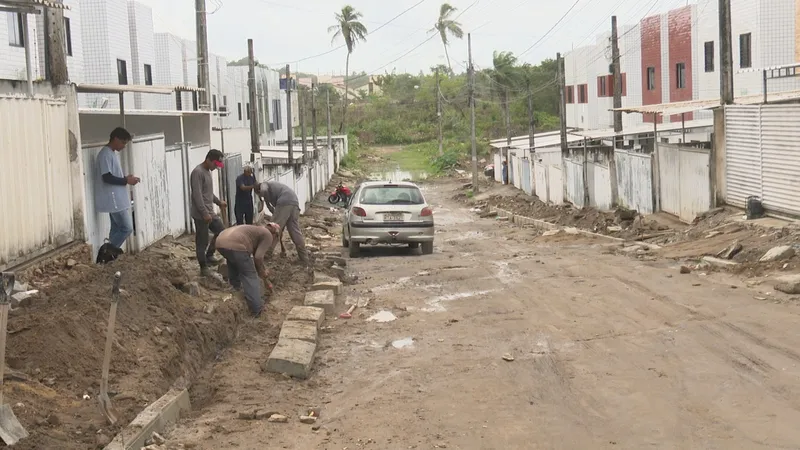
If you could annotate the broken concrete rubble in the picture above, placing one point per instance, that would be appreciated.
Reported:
(321, 299)
(719, 262)
(778, 253)
(731, 251)
(304, 331)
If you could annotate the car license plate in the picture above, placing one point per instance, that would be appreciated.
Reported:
(393, 217)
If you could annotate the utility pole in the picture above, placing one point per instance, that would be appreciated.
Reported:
(475, 186)
(531, 122)
(328, 101)
(725, 53)
(202, 54)
(314, 114)
(562, 105)
(301, 111)
(615, 63)
(439, 111)
(618, 136)
(55, 45)
(255, 138)
(289, 131)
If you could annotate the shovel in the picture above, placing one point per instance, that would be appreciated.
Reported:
(11, 431)
(105, 402)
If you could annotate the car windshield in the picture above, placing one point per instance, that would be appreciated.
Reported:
(391, 195)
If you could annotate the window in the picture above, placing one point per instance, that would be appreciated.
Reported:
(148, 75)
(709, 54)
(225, 100)
(16, 36)
(680, 75)
(582, 93)
(68, 33)
(239, 108)
(194, 101)
(178, 101)
(602, 87)
(391, 195)
(570, 94)
(214, 102)
(651, 78)
(122, 72)
(745, 53)
(248, 111)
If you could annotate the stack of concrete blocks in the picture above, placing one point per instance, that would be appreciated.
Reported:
(294, 353)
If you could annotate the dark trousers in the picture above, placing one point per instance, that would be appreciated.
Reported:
(244, 212)
(205, 246)
(243, 275)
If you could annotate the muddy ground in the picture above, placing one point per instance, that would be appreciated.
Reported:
(507, 339)
(170, 324)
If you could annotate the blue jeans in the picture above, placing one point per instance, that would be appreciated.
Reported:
(121, 227)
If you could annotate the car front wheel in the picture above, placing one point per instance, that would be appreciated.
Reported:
(427, 248)
(355, 249)
(345, 243)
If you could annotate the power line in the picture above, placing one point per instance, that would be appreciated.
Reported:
(421, 43)
(550, 30)
(344, 45)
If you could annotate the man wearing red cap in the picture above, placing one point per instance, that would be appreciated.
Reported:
(202, 210)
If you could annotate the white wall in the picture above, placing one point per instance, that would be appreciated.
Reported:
(143, 51)
(101, 21)
(168, 70)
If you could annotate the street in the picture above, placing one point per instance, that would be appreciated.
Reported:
(504, 339)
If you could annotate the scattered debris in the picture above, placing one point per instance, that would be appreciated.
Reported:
(403, 343)
(383, 317)
(508, 357)
(192, 288)
(719, 262)
(778, 253)
(308, 420)
(278, 418)
(731, 251)
(685, 270)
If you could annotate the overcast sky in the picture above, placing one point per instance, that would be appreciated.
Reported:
(285, 31)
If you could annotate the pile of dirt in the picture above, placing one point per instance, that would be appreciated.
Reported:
(620, 223)
(55, 344)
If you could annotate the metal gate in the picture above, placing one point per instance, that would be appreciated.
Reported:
(762, 155)
(151, 200)
(233, 168)
(685, 183)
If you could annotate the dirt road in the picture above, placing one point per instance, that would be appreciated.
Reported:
(608, 352)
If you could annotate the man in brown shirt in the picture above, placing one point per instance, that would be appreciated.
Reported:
(244, 248)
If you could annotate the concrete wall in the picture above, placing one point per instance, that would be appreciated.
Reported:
(143, 51)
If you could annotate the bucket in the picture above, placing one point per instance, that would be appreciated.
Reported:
(753, 208)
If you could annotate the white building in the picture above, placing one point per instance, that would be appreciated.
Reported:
(143, 52)
(674, 57)
(12, 40)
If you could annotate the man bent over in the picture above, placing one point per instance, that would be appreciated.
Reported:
(244, 248)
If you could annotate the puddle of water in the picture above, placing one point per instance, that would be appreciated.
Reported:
(398, 175)
(383, 317)
(435, 304)
(403, 343)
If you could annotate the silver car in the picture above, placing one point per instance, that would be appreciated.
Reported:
(388, 213)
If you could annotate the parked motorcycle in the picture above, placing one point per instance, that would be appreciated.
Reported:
(341, 194)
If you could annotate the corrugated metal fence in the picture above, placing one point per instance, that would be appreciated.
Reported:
(634, 179)
(762, 156)
(36, 183)
(685, 182)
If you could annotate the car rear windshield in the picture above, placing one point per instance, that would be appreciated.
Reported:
(391, 195)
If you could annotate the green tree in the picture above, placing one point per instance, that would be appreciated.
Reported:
(505, 79)
(349, 28)
(446, 25)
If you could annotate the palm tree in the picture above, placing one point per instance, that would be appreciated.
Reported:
(504, 77)
(447, 25)
(352, 31)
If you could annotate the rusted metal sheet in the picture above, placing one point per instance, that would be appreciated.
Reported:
(573, 170)
(556, 191)
(151, 199)
(635, 180)
(37, 212)
(685, 184)
(598, 178)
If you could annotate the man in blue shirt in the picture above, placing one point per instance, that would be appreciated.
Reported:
(243, 208)
(111, 193)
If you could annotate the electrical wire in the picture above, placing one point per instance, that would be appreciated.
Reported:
(550, 30)
(345, 45)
